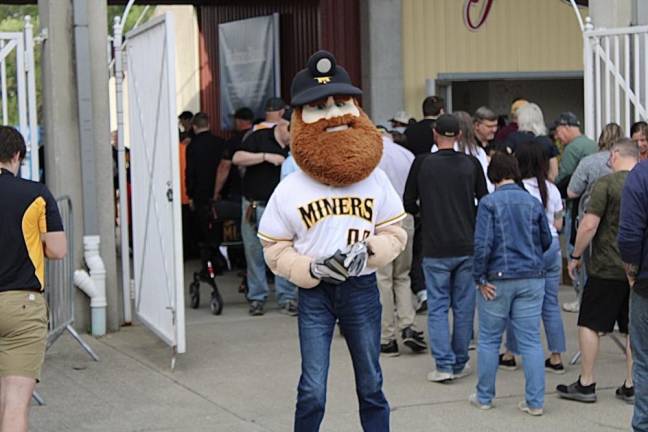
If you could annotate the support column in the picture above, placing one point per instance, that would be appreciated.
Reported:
(382, 61)
(61, 126)
(98, 25)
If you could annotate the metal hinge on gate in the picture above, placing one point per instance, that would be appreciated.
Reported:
(169, 193)
(42, 36)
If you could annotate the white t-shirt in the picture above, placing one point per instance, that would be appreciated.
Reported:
(481, 156)
(321, 219)
(554, 200)
(396, 162)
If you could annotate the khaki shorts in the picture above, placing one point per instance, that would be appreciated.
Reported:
(23, 333)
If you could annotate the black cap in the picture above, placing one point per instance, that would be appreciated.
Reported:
(567, 119)
(447, 125)
(287, 114)
(244, 113)
(321, 78)
(274, 104)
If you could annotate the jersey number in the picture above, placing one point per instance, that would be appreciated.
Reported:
(354, 236)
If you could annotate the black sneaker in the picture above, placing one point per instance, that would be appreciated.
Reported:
(578, 392)
(414, 340)
(554, 368)
(256, 308)
(290, 308)
(507, 364)
(626, 393)
(390, 349)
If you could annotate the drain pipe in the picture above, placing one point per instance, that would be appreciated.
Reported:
(94, 284)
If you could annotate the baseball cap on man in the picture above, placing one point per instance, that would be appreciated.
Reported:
(567, 119)
(274, 104)
(447, 125)
(321, 78)
(244, 113)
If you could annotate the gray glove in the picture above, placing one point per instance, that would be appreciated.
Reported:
(330, 269)
(356, 257)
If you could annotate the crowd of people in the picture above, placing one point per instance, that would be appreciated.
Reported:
(486, 206)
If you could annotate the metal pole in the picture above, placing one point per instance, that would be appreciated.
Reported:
(3, 77)
(31, 98)
(25, 171)
(121, 166)
(588, 81)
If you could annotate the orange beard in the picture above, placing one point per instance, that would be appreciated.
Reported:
(336, 158)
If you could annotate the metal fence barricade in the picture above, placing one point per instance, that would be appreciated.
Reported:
(59, 285)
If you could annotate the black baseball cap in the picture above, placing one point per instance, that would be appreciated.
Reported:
(567, 119)
(244, 113)
(321, 78)
(275, 104)
(185, 115)
(447, 125)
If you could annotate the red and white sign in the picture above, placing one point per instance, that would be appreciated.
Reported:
(476, 12)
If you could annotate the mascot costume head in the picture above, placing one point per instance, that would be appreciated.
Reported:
(333, 140)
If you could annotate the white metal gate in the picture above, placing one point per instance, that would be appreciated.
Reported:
(18, 49)
(157, 236)
(615, 77)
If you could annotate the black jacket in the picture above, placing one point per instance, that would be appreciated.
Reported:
(204, 153)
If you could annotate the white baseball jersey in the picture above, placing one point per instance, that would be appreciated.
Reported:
(321, 219)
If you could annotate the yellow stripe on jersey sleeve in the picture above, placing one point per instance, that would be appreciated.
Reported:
(33, 224)
(390, 221)
(268, 238)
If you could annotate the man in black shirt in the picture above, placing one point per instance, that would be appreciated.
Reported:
(261, 154)
(485, 124)
(447, 184)
(419, 140)
(419, 137)
(204, 154)
(228, 179)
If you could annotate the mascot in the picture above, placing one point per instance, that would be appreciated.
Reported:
(327, 228)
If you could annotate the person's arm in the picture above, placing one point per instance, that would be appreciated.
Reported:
(245, 159)
(578, 182)
(483, 242)
(221, 176)
(559, 220)
(481, 189)
(285, 261)
(54, 244)
(553, 169)
(633, 222)
(586, 232)
(411, 194)
(385, 245)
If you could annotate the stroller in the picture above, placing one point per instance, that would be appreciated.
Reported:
(220, 226)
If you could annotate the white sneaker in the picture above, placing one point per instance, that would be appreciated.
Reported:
(439, 377)
(467, 370)
(571, 307)
(535, 412)
(474, 402)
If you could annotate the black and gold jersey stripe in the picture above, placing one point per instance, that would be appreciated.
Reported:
(27, 210)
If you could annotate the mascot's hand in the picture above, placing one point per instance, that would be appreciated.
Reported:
(356, 256)
(330, 269)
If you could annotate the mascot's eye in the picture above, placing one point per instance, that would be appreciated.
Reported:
(321, 106)
(340, 104)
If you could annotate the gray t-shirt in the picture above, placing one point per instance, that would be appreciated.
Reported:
(590, 169)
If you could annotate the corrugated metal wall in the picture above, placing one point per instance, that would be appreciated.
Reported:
(305, 26)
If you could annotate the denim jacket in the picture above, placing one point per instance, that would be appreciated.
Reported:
(511, 236)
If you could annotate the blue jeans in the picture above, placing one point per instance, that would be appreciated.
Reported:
(449, 283)
(639, 345)
(520, 301)
(551, 317)
(256, 268)
(356, 304)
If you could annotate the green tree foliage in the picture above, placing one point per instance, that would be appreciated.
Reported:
(12, 20)
(134, 14)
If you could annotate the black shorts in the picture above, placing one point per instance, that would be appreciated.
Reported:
(604, 302)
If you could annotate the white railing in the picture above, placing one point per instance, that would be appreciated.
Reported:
(615, 72)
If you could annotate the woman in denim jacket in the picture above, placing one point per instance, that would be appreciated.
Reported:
(511, 237)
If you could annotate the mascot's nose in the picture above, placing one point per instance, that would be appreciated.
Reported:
(332, 109)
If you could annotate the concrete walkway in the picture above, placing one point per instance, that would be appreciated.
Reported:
(240, 374)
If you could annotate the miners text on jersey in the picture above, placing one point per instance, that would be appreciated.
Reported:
(319, 209)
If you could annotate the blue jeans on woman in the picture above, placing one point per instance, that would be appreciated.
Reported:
(356, 304)
(450, 283)
(639, 345)
(551, 317)
(520, 301)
